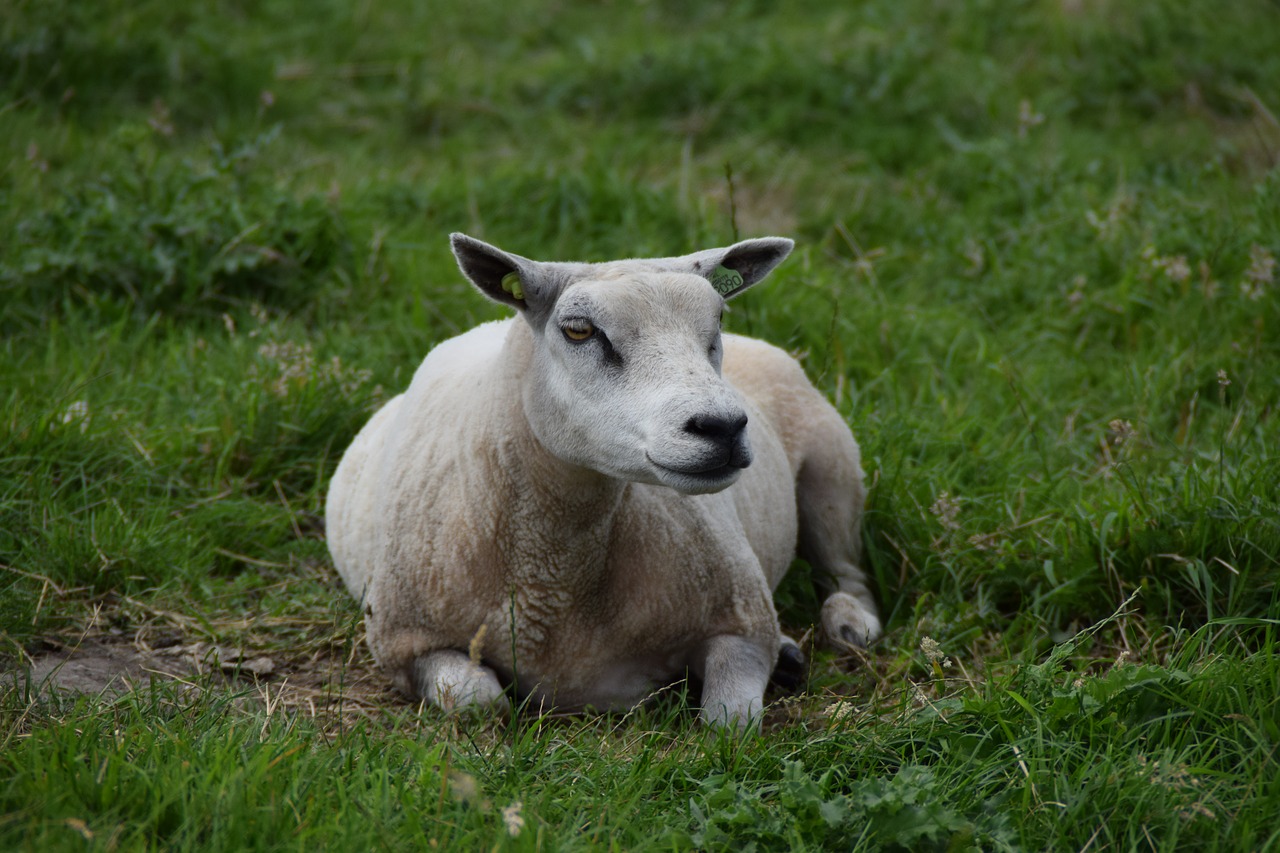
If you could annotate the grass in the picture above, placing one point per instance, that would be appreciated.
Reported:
(1036, 272)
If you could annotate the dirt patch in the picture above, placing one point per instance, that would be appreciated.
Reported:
(98, 666)
(93, 667)
(308, 659)
(333, 690)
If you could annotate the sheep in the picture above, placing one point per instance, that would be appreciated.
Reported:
(595, 497)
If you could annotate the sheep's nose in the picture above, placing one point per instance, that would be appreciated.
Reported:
(725, 432)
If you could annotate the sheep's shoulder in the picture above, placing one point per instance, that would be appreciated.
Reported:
(465, 356)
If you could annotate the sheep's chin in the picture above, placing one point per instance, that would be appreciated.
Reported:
(695, 483)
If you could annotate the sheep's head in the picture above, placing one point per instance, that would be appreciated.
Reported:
(625, 377)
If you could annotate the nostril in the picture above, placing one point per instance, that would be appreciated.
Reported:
(715, 427)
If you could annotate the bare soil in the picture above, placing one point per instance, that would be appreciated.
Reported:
(332, 689)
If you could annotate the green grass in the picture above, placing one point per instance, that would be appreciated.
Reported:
(1035, 272)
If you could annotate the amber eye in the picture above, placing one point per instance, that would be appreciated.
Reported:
(578, 330)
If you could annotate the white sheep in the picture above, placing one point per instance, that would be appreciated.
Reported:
(591, 500)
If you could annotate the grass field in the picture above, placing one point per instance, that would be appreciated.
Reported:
(1036, 271)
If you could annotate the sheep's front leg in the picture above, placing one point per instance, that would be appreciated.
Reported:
(735, 671)
(449, 679)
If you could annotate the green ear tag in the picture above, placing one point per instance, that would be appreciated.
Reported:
(511, 284)
(725, 280)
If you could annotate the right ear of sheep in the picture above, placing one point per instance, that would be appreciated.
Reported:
(734, 269)
(730, 269)
(488, 266)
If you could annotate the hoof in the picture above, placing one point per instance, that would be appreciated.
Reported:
(852, 638)
(789, 673)
(848, 624)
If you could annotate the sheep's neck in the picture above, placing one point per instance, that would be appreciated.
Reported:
(558, 527)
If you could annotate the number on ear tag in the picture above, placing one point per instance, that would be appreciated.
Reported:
(725, 280)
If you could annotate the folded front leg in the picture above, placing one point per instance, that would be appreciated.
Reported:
(734, 673)
(449, 679)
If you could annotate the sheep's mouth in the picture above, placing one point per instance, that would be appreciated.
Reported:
(696, 479)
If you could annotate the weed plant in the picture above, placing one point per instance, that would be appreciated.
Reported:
(1036, 272)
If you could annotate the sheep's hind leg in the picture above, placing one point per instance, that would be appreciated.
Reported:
(830, 496)
(449, 679)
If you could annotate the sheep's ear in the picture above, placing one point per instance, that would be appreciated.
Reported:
(501, 276)
(741, 265)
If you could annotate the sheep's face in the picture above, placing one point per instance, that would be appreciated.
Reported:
(626, 381)
(625, 378)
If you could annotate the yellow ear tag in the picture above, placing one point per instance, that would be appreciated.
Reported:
(511, 284)
(725, 280)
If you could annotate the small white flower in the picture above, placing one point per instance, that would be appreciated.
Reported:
(1121, 431)
(511, 817)
(839, 710)
(1076, 295)
(933, 652)
(1260, 274)
(945, 509)
(1027, 117)
(1173, 267)
(1262, 265)
(77, 412)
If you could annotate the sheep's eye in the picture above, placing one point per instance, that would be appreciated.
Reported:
(578, 330)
